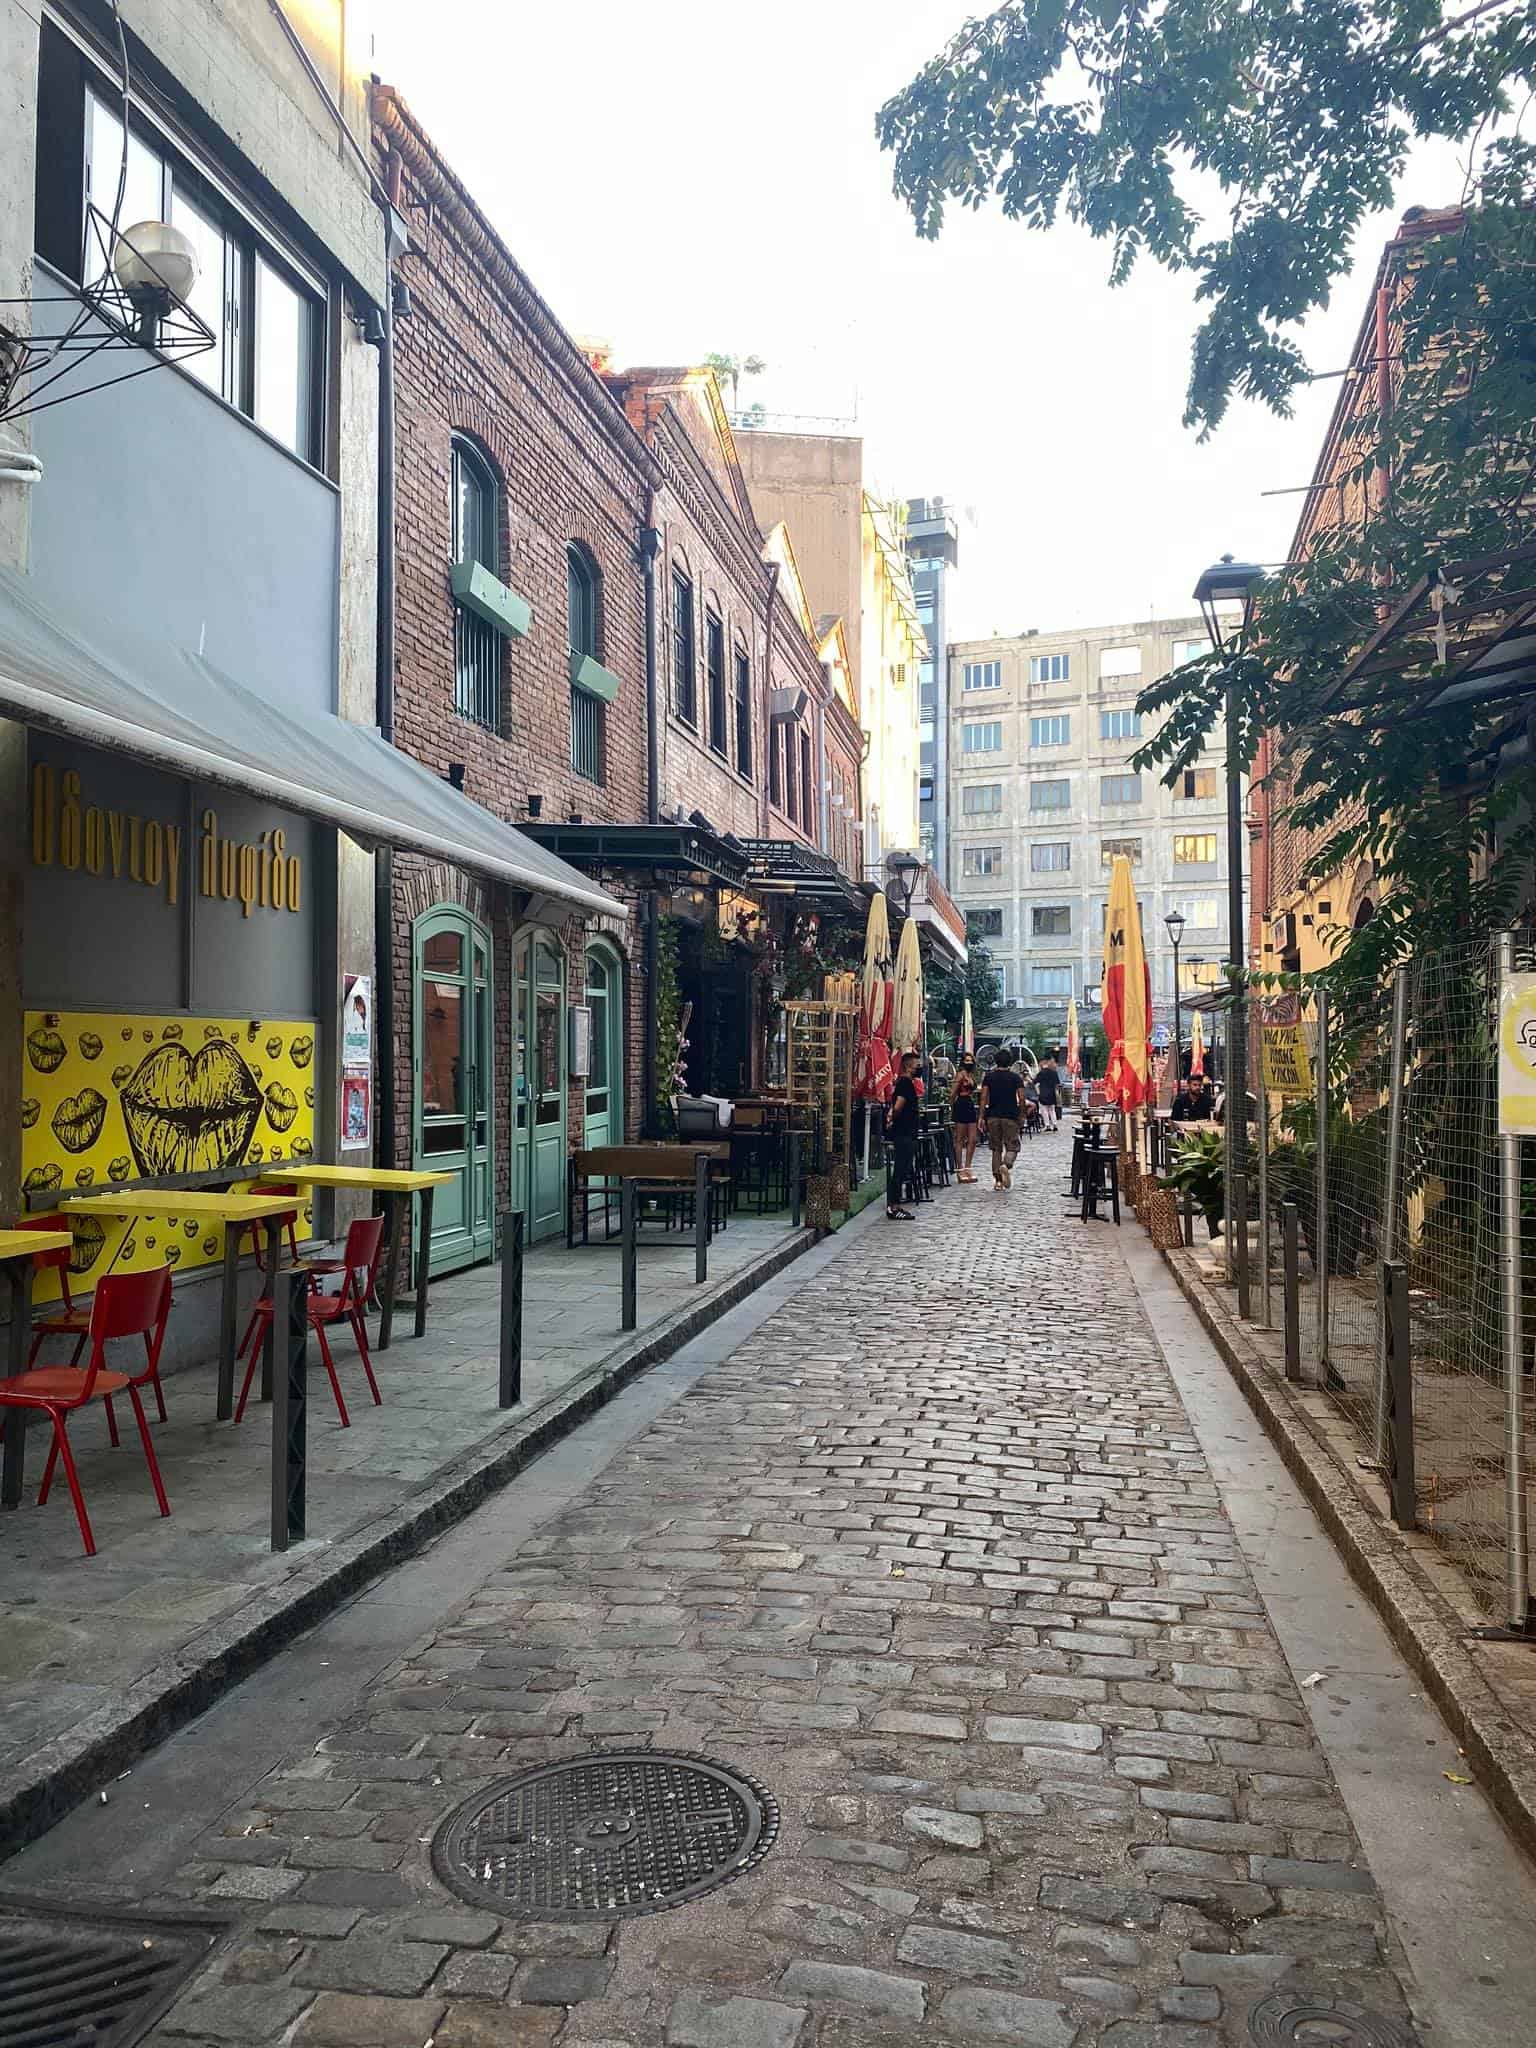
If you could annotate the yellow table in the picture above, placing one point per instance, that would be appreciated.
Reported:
(17, 1248)
(396, 1184)
(233, 1211)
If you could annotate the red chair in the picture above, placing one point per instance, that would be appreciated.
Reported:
(360, 1260)
(258, 1230)
(126, 1305)
(75, 1321)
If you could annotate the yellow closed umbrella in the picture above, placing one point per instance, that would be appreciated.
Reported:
(907, 1017)
(967, 1029)
(1127, 993)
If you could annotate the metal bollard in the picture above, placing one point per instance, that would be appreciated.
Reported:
(1237, 1248)
(700, 1217)
(511, 1381)
(794, 1180)
(1401, 1478)
(628, 1249)
(1290, 1235)
(289, 1327)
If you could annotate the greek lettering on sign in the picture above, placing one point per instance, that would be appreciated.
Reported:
(258, 875)
(103, 842)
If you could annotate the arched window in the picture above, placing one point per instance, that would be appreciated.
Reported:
(476, 539)
(582, 599)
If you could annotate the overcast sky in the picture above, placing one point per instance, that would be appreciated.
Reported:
(684, 177)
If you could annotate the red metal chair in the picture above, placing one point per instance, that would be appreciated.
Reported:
(360, 1260)
(74, 1320)
(258, 1230)
(126, 1305)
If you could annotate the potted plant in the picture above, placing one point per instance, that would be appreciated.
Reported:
(1198, 1170)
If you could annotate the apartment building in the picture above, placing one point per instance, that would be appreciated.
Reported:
(1043, 796)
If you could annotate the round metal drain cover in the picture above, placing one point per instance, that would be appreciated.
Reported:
(1286, 2020)
(605, 1836)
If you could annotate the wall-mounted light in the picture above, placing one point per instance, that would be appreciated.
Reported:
(535, 805)
(156, 267)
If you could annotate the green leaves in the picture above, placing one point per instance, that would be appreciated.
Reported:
(1107, 111)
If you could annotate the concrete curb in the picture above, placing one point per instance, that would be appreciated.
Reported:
(97, 1749)
(1421, 1620)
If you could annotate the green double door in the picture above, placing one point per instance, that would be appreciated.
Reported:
(453, 1126)
(539, 1074)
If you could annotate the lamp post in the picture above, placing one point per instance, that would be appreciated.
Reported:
(1233, 583)
(1173, 924)
(906, 867)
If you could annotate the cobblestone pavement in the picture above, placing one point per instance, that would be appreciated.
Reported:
(935, 1556)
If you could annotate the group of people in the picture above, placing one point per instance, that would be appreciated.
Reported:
(998, 1104)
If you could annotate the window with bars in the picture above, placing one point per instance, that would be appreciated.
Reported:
(685, 688)
(1051, 921)
(476, 538)
(743, 714)
(1051, 856)
(714, 680)
(1119, 725)
(588, 712)
(1120, 789)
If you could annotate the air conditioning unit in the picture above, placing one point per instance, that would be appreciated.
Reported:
(788, 701)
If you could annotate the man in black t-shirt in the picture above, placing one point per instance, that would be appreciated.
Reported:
(1048, 1082)
(1002, 1103)
(901, 1127)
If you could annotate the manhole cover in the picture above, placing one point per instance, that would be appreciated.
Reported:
(1285, 2020)
(605, 1836)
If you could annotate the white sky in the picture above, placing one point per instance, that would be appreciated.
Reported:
(702, 175)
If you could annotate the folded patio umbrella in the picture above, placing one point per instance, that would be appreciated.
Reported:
(1074, 1041)
(1127, 993)
(1197, 1049)
(872, 1062)
(907, 1014)
(967, 1029)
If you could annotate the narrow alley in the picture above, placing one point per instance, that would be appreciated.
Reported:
(948, 1545)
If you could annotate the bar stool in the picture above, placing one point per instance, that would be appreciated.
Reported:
(1101, 1176)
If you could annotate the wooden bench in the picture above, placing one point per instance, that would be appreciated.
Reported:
(666, 1171)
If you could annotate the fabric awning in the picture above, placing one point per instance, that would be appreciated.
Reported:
(185, 715)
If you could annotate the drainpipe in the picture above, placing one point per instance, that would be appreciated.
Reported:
(770, 737)
(650, 547)
(823, 798)
(384, 640)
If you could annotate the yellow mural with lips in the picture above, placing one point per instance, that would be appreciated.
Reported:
(109, 1098)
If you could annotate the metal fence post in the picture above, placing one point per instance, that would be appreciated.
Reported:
(1397, 1076)
(1517, 1576)
(627, 1254)
(1321, 1249)
(1237, 1248)
(794, 1180)
(700, 1217)
(1265, 1318)
(1396, 1329)
(1290, 1234)
(511, 1381)
(1189, 1219)
(289, 1328)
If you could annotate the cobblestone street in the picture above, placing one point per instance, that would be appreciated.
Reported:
(936, 1558)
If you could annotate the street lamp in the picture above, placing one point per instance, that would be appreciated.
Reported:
(1174, 925)
(1233, 583)
(906, 868)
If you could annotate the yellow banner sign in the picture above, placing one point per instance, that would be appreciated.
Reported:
(1517, 1055)
(1286, 1067)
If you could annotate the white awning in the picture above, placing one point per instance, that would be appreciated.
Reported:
(189, 717)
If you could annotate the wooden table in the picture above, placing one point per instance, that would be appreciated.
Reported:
(396, 1185)
(17, 1248)
(233, 1212)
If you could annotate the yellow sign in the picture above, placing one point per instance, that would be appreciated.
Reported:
(1286, 1067)
(1517, 1055)
(109, 1097)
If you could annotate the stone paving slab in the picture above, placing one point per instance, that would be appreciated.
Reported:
(943, 1567)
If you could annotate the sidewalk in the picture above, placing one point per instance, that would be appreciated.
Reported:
(102, 1656)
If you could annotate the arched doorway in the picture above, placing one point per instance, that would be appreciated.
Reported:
(538, 1084)
(605, 1081)
(452, 1081)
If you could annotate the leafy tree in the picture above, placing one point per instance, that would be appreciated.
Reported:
(949, 987)
(731, 369)
(1122, 115)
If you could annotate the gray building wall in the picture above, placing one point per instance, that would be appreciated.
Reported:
(1015, 840)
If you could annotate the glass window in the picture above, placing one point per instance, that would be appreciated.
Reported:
(598, 978)
(1051, 732)
(143, 182)
(1050, 668)
(1119, 661)
(1189, 650)
(1201, 913)
(1196, 785)
(209, 293)
(989, 923)
(743, 714)
(1110, 849)
(1051, 921)
(284, 378)
(791, 801)
(684, 681)
(775, 769)
(580, 603)
(1050, 981)
(476, 538)
(1050, 796)
(443, 953)
(982, 675)
(714, 677)
(981, 797)
(981, 860)
(981, 739)
(1051, 856)
(1194, 849)
(588, 713)
(1120, 789)
(1141, 912)
(1119, 725)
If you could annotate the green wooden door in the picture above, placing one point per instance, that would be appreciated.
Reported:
(605, 1081)
(452, 1125)
(539, 1081)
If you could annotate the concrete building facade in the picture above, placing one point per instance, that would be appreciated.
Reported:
(933, 550)
(1042, 796)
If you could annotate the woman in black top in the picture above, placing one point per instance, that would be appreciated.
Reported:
(967, 1118)
(901, 1127)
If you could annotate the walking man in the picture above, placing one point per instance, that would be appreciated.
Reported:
(1048, 1081)
(1002, 1100)
(901, 1127)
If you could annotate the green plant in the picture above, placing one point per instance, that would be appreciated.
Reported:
(1356, 1169)
(1198, 1168)
(668, 1025)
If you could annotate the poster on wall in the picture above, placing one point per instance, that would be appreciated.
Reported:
(110, 1097)
(356, 1109)
(1517, 1055)
(357, 1022)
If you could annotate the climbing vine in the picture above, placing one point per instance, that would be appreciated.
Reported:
(668, 1026)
